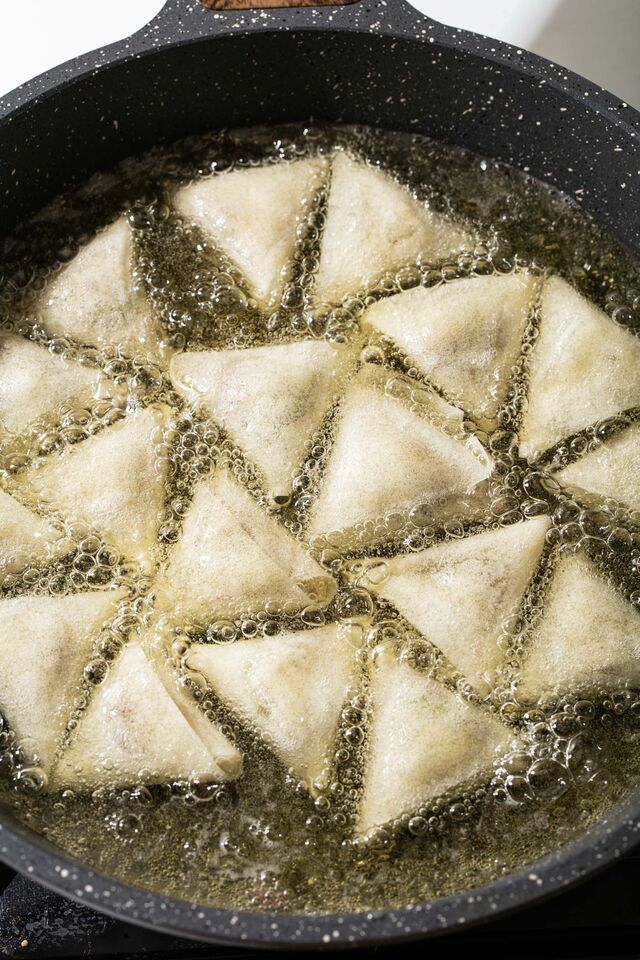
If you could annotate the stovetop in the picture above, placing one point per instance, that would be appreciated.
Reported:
(598, 920)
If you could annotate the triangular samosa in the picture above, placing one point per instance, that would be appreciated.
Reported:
(584, 368)
(587, 638)
(253, 214)
(113, 481)
(611, 470)
(458, 594)
(94, 300)
(373, 226)
(25, 538)
(291, 687)
(465, 335)
(271, 399)
(386, 459)
(132, 732)
(45, 643)
(423, 742)
(35, 383)
(154, 645)
(234, 558)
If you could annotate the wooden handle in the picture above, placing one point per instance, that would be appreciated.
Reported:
(261, 4)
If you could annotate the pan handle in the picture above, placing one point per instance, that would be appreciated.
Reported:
(270, 4)
(184, 20)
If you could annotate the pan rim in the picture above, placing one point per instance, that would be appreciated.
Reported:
(605, 841)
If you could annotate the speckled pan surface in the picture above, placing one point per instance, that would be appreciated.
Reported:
(562, 869)
(377, 63)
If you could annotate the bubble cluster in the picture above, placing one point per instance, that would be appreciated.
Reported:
(272, 840)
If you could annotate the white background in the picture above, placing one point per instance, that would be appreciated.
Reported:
(598, 38)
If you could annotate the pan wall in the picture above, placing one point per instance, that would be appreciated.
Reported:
(89, 122)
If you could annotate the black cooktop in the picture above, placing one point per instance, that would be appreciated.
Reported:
(597, 920)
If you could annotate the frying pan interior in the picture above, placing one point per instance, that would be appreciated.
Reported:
(374, 62)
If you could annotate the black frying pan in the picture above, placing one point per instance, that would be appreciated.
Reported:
(374, 62)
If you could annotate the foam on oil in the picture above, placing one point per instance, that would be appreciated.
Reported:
(265, 842)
